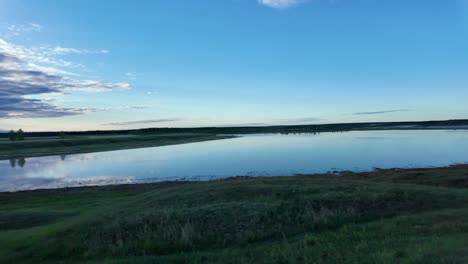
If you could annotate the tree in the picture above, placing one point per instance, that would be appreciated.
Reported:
(11, 135)
(62, 135)
(20, 134)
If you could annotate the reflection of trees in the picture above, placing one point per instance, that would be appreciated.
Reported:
(20, 161)
(63, 157)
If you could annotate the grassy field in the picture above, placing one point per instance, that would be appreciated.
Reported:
(38, 146)
(386, 216)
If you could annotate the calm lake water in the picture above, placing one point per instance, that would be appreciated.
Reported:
(252, 155)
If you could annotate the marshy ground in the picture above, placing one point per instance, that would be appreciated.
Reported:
(385, 216)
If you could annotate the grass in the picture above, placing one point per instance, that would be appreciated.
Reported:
(386, 216)
(86, 144)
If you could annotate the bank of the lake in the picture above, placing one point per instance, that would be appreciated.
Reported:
(383, 216)
(36, 147)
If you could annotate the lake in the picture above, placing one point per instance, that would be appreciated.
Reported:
(250, 155)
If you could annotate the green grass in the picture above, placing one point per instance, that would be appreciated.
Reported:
(85, 144)
(387, 216)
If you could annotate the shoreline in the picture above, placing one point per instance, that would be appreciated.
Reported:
(340, 175)
(108, 144)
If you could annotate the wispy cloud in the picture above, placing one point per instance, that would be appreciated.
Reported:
(92, 86)
(299, 120)
(97, 109)
(381, 112)
(281, 4)
(131, 75)
(47, 55)
(277, 122)
(62, 50)
(246, 124)
(14, 73)
(36, 55)
(20, 107)
(16, 30)
(142, 122)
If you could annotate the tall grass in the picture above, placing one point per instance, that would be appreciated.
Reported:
(359, 218)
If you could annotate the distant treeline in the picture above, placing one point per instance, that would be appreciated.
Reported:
(254, 130)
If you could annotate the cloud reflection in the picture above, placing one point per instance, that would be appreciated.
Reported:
(17, 177)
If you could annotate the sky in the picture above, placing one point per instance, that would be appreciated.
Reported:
(99, 65)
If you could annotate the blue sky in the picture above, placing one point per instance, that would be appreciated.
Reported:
(77, 65)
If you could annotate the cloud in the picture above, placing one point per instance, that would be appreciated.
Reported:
(49, 70)
(12, 75)
(303, 119)
(280, 4)
(131, 75)
(140, 122)
(47, 55)
(18, 82)
(62, 50)
(20, 107)
(16, 30)
(9, 62)
(26, 72)
(36, 55)
(295, 121)
(98, 109)
(277, 122)
(92, 86)
(246, 124)
(14, 107)
(381, 112)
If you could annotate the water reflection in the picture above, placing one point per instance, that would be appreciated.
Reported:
(20, 161)
(253, 155)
